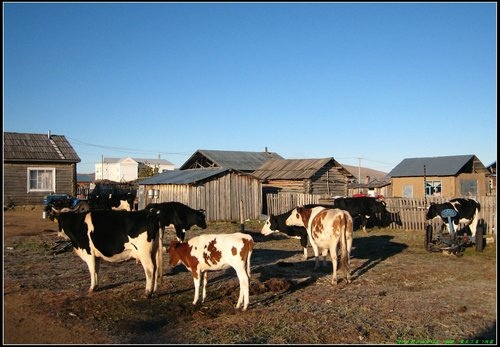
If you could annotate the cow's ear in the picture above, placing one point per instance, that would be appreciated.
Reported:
(202, 210)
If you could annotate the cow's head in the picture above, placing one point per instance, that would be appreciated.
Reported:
(268, 226)
(201, 220)
(432, 212)
(55, 214)
(174, 254)
(391, 217)
(296, 217)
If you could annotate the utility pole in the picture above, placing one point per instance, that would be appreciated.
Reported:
(359, 170)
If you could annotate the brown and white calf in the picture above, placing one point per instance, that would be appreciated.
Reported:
(211, 252)
(327, 229)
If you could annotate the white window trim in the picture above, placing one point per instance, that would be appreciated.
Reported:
(30, 190)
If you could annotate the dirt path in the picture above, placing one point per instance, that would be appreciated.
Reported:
(399, 293)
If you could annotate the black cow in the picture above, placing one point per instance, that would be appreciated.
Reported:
(366, 208)
(114, 236)
(181, 216)
(277, 223)
(113, 201)
(467, 213)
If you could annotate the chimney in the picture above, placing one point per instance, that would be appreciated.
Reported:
(49, 135)
(367, 178)
(266, 149)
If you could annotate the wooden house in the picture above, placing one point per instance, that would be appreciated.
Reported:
(449, 176)
(225, 194)
(36, 165)
(309, 176)
(238, 160)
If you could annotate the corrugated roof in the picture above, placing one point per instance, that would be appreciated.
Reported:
(38, 148)
(238, 160)
(435, 166)
(293, 169)
(189, 176)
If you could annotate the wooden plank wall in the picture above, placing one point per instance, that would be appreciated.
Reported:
(221, 198)
(412, 210)
(16, 181)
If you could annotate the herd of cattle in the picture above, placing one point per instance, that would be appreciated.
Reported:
(117, 235)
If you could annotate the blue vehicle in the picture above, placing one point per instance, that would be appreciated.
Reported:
(60, 201)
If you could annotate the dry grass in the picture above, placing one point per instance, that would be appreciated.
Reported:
(399, 292)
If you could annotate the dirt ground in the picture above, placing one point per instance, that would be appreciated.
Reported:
(399, 293)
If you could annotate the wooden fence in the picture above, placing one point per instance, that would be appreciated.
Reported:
(411, 210)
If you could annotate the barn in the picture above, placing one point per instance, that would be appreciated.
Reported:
(292, 182)
(309, 176)
(224, 193)
(36, 165)
(449, 176)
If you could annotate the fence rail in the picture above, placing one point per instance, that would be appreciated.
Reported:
(411, 210)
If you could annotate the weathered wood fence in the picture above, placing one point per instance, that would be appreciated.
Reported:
(411, 210)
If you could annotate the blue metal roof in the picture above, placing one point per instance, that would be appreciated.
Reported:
(189, 176)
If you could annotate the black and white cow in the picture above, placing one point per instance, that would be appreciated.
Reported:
(277, 223)
(113, 201)
(467, 213)
(181, 216)
(114, 236)
(366, 208)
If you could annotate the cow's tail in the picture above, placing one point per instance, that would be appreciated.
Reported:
(248, 257)
(159, 256)
(344, 249)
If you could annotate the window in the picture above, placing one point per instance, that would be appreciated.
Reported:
(407, 191)
(432, 188)
(468, 187)
(41, 179)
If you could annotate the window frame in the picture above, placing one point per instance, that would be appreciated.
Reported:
(430, 186)
(51, 170)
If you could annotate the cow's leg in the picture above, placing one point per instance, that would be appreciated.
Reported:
(316, 254)
(473, 225)
(244, 297)
(146, 259)
(180, 233)
(303, 243)
(197, 281)
(324, 253)
(333, 254)
(159, 260)
(364, 221)
(205, 280)
(93, 266)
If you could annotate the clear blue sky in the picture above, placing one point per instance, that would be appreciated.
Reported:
(377, 81)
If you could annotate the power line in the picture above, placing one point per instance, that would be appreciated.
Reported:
(127, 150)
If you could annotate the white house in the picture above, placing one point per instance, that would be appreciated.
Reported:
(127, 169)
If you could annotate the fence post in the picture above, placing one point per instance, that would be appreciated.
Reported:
(242, 220)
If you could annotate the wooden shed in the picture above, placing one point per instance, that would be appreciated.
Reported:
(36, 165)
(221, 192)
(449, 176)
(310, 176)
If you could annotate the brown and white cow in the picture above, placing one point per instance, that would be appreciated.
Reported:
(211, 252)
(327, 229)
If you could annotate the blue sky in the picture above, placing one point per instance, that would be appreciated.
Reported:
(377, 81)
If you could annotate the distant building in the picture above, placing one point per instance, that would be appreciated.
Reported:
(128, 169)
(450, 177)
